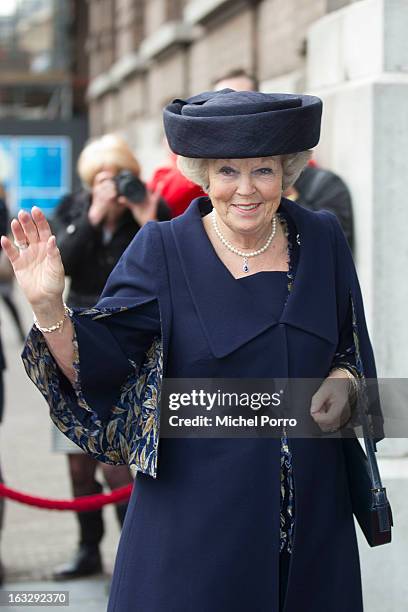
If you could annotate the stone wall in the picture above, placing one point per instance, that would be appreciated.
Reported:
(144, 53)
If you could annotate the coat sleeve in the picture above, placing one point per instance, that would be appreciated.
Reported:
(354, 342)
(345, 355)
(118, 360)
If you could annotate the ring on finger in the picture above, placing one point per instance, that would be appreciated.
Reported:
(21, 245)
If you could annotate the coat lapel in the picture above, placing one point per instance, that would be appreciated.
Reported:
(312, 304)
(229, 312)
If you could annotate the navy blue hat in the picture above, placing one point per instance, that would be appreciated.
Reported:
(236, 124)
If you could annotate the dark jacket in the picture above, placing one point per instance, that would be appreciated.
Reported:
(321, 189)
(88, 259)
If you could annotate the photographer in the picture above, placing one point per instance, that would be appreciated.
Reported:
(93, 227)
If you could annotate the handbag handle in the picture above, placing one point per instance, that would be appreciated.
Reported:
(369, 446)
(379, 494)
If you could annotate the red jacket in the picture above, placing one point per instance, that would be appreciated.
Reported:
(175, 188)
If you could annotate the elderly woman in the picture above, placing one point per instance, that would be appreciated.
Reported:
(244, 284)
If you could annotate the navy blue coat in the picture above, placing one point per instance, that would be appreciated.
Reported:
(154, 570)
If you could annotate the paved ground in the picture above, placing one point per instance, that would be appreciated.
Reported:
(34, 541)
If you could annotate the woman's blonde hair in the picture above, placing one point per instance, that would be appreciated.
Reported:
(109, 151)
(196, 170)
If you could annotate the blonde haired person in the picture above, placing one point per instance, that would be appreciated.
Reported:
(93, 227)
(110, 151)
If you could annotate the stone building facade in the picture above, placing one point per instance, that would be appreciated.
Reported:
(142, 53)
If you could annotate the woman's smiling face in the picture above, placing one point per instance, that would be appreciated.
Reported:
(245, 192)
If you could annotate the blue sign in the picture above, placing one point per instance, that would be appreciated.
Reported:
(35, 170)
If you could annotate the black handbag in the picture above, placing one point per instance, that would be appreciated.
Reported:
(368, 496)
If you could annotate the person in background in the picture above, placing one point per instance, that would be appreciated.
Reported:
(173, 186)
(93, 227)
(3, 230)
(316, 188)
(237, 79)
(321, 189)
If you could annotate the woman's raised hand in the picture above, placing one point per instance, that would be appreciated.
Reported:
(38, 265)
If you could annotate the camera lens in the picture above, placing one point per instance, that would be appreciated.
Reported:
(130, 186)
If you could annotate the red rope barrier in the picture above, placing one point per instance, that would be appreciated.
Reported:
(80, 504)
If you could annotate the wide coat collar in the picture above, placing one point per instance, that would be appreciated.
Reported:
(229, 313)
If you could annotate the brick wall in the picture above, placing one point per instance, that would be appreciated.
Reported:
(95, 118)
(129, 26)
(80, 65)
(132, 99)
(282, 27)
(265, 37)
(155, 15)
(101, 41)
(165, 81)
(220, 49)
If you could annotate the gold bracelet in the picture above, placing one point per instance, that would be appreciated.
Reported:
(353, 387)
(56, 326)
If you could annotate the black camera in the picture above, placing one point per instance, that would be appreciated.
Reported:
(130, 186)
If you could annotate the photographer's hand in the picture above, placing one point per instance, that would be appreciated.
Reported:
(103, 197)
(145, 211)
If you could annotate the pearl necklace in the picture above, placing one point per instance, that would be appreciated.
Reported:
(230, 247)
